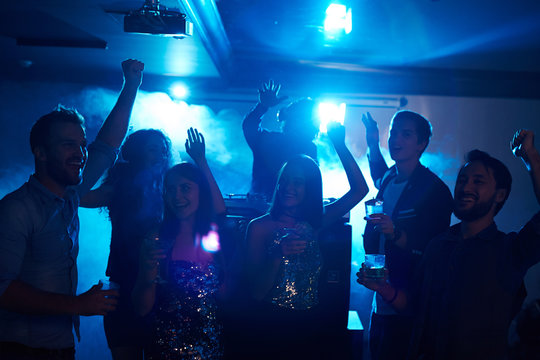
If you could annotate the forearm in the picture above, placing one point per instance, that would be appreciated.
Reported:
(357, 182)
(396, 298)
(377, 165)
(143, 296)
(217, 197)
(115, 126)
(23, 298)
(533, 165)
(251, 122)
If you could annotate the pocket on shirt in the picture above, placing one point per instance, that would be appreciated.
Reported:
(407, 214)
(49, 246)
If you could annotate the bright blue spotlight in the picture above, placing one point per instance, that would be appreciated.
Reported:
(179, 91)
(338, 20)
(330, 112)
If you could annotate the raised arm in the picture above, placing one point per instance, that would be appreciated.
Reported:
(377, 165)
(195, 147)
(268, 97)
(102, 153)
(358, 187)
(114, 128)
(522, 146)
(97, 198)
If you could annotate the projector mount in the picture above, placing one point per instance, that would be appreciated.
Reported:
(153, 18)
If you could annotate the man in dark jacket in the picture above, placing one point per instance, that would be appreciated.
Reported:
(417, 206)
(471, 275)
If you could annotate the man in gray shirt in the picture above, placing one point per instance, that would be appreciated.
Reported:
(39, 228)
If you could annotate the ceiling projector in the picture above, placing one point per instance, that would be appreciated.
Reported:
(157, 20)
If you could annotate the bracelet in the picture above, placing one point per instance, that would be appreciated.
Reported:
(393, 297)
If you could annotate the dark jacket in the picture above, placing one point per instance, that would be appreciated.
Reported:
(469, 291)
(271, 150)
(422, 211)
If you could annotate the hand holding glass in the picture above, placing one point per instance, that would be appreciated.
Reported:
(155, 242)
(374, 206)
(375, 266)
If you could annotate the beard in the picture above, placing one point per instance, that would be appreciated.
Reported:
(476, 212)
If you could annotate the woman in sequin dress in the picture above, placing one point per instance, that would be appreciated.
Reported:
(283, 254)
(178, 285)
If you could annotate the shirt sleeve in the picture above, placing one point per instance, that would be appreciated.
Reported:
(526, 245)
(100, 157)
(15, 230)
(251, 124)
(377, 169)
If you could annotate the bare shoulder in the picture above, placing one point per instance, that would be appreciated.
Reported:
(261, 225)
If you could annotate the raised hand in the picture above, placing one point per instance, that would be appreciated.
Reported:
(195, 146)
(268, 94)
(383, 224)
(372, 130)
(96, 301)
(336, 133)
(133, 70)
(522, 143)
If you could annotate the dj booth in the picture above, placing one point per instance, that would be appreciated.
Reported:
(343, 330)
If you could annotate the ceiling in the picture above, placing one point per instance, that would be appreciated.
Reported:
(437, 47)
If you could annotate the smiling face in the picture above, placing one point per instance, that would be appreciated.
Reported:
(292, 187)
(475, 194)
(403, 141)
(181, 196)
(63, 157)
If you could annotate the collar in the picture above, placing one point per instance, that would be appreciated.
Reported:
(42, 190)
(392, 173)
(487, 234)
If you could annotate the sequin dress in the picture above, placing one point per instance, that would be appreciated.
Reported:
(185, 322)
(296, 286)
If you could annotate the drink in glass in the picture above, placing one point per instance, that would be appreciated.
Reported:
(375, 266)
(374, 206)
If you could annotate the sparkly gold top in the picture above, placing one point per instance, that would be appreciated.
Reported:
(296, 285)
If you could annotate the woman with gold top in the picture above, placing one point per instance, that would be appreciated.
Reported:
(283, 255)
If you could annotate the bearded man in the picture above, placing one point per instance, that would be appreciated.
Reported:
(471, 275)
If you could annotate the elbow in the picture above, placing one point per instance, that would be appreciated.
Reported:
(359, 193)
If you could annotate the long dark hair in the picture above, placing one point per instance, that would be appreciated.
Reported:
(311, 208)
(137, 193)
(205, 214)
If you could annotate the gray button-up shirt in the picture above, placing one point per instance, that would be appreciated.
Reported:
(39, 234)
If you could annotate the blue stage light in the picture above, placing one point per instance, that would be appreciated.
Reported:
(331, 112)
(338, 20)
(179, 91)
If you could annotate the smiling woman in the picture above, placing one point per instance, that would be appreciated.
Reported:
(179, 279)
(284, 258)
